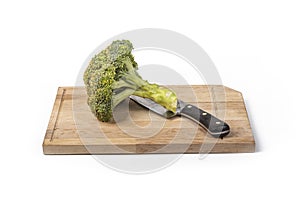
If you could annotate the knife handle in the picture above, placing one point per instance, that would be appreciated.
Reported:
(212, 124)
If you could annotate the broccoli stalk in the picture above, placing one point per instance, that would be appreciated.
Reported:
(134, 84)
(111, 77)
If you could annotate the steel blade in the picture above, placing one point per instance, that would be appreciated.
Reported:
(153, 106)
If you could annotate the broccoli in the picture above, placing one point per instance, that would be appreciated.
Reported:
(112, 76)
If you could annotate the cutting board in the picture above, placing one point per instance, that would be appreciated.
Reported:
(73, 129)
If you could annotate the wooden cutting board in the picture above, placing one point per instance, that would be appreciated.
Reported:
(73, 129)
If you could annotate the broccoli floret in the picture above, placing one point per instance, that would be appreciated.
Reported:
(111, 77)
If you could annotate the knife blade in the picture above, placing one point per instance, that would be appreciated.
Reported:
(214, 126)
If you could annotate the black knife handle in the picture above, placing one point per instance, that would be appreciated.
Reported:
(213, 125)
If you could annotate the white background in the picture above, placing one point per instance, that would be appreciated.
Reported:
(255, 46)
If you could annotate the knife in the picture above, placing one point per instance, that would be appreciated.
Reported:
(214, 126)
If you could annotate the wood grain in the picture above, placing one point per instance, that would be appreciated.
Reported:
(73, 129)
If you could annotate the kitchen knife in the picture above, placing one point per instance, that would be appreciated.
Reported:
(212, 124)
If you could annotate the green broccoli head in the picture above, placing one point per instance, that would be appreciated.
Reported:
(111, 77)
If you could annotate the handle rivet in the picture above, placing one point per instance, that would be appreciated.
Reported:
(189, 106)
(218, 122)
(204, 114)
